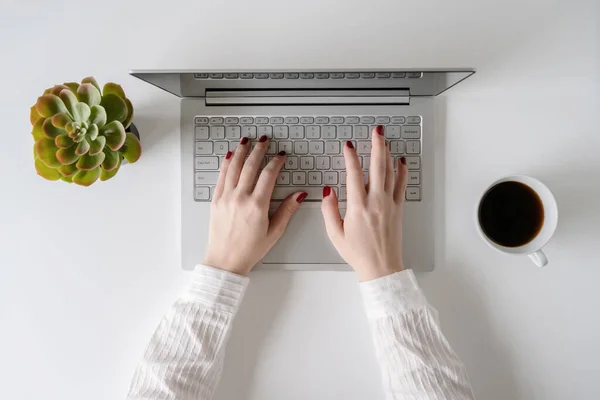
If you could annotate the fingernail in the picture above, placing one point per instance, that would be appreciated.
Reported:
(379, 130)
(263, 138)
(349, 144)
(301, 197)
(403, 160)
(228, 155)
(326, 191)
(244, 140)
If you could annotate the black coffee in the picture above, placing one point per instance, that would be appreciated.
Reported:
(511, 214)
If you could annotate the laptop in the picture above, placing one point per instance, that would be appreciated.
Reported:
(310, 115)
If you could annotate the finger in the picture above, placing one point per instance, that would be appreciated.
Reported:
(222, 176)
(354, 174)
(237, 162)
(283, 215)
(252, 165)
(390, 178)
(377, 168)
(268, 177)
(401, 181)
(331, 214)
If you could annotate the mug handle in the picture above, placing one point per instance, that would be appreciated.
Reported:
(538, 258)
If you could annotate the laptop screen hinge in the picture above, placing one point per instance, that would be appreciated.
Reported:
(308, 97)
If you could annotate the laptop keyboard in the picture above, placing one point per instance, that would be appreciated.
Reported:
(314, 147)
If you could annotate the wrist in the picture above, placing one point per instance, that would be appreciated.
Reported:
(378, 271)
(224, 264)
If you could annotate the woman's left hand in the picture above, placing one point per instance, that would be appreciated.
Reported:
(241, 233)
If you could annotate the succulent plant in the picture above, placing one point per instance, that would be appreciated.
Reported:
(80, 132)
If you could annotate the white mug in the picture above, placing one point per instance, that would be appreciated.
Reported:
(534, 247)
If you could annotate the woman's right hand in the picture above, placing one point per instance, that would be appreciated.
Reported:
(369, 238)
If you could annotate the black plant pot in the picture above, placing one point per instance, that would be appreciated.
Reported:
(133, 129)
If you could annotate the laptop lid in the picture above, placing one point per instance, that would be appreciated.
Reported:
(196, 83)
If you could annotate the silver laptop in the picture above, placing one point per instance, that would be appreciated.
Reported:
(310, 115)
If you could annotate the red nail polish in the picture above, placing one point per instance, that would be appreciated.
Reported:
(263, 138)
(301, 197)
(281, 153)
(228, 155)
(379, 130)
(403, 160)
(326, 191)
(349, 144)
(244, 140)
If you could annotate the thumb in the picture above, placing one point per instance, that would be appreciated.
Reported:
(283, 215)
(331, 215)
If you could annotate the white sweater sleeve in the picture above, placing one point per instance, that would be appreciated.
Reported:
(184, 359)
(416, 360)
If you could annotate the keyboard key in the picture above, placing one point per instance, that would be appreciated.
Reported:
(344, 132)
(262, 120)
(352, 75)
(382, 75)
(283, 178)
(322, 75)
(366, 162)
(343, 193)
(411, 132)
(414, 74)
(397, 147)
(246, 75)
(292, 75)
(306, 75)
(336, 120)
(332, 147)
(342, 177)
(337, 75)
(276, 120)
(301, 147)
(413, 120)
(231, 120)
(221, 147)
(413, 163)
(216, 120)
(413, 193)
(352, 120)
(201, 132)
(265, 130)
(233, 132)
(330, 178)
(286, 146)
(298, 178)
(272, 149)
(233, 145)
(297, 132)
(291, 163)
(313, 132)
(315, 178)
(367, 75)
(414, 177)
(207, 162)
(291, 120)
(276, 75)
(322, 120)
(217, 132)
(316, 147)
(398, 74)
(206, 178)
(361, 132)
(338, 163)
(201, 120)
(202, 193)
(280, 132)
(367, 120)
(204, 148)
(249, 131)
(307, 120)
(246, 120)
(363, 147)
(328, 132)
(382, 120)
(323, 162)
(307, 163)
(201, 76)
(312, 192)
(392, 132)
(413, 147)
(398, 120)
(215, 76)
(261, 75)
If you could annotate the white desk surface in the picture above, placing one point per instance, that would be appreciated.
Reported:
(86, 274)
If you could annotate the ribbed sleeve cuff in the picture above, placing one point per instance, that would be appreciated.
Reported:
(221, 290)
(392, 294)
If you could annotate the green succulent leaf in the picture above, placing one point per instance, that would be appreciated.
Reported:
(70, 101)
(72, 85)
(67, 179)
(45, 150)
(46, 172)
(112, 160)
(98, 116)
(77, 138)
(67, 156)
(63, 141)
(86, 178)
(34, 116)
(97, 145)
(115, 107)
(83, 111)
(92, 80)
(129, 114)
(88, 94)
(88, 162)
(61, 120)
(57, 89)
(82, 148)
(69, 128)
(115, 134)
(106, 175)
(93, 131)
(50, 130)
(132, 149)
(49, 104)
(37, 131)
(113, 88)
(68, 170)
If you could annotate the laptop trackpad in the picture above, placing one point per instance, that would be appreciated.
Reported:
(305, 241)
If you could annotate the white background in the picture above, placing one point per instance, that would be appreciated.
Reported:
(86, 274)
